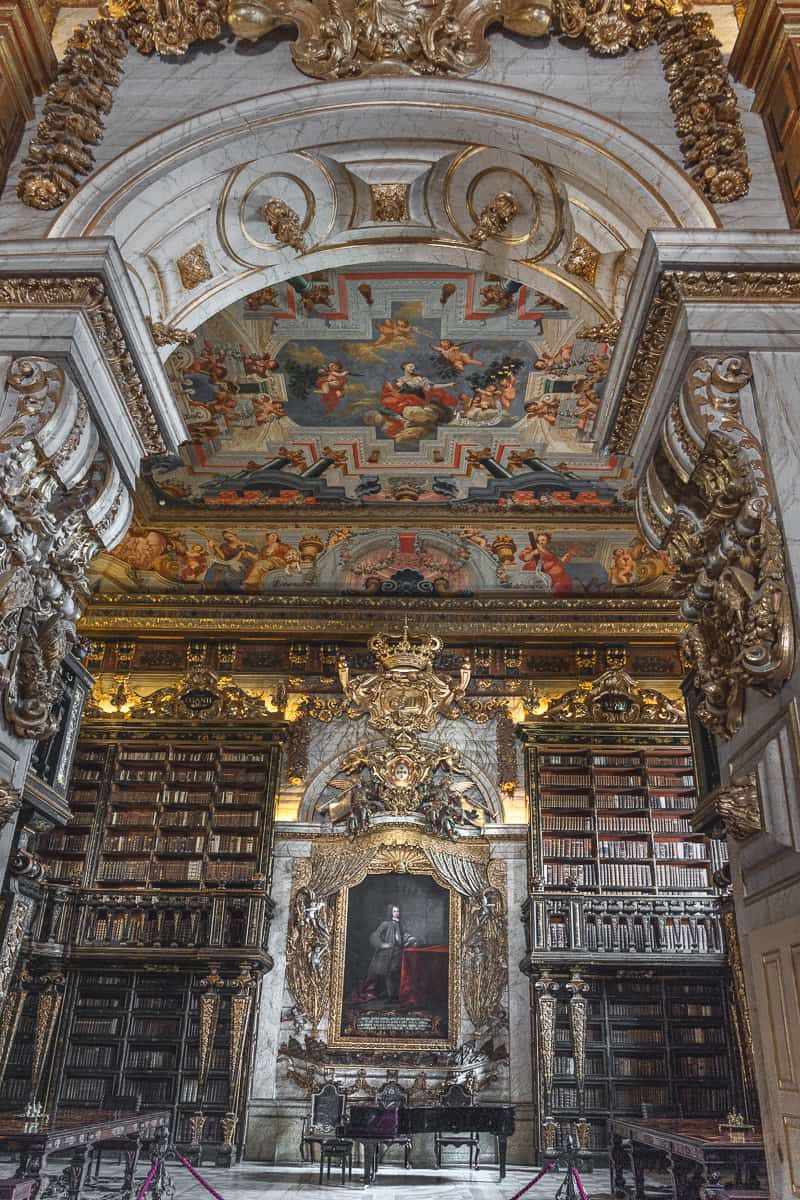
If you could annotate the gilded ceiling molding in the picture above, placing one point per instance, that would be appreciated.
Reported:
(707, 501)
(72, 122)
(88, 293)
(615, 698)
(673, 288)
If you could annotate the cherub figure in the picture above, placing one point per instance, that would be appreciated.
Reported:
(331, 384)
(255, 364)
(209, 361)
(455, 354)
(393, 329)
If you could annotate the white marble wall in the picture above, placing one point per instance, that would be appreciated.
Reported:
(629, 90)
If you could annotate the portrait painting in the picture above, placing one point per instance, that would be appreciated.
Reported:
(395, 978)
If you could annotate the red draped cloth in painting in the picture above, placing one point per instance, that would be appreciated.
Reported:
(423, 976)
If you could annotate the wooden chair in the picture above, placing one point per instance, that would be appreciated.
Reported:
(339, 1151)
(392, 1095)
(457, 1095)
(322, 1123)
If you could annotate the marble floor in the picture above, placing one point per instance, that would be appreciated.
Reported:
(255, 1181)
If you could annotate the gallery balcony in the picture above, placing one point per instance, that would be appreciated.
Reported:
(614, 928)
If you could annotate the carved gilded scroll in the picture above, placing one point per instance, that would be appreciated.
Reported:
(707, 501)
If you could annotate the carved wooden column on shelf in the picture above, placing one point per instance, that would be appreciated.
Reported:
(48, 1011)
(241, 1008)
(578, 1008)
(546, 1006)
(10, 1014)
(209, 1019)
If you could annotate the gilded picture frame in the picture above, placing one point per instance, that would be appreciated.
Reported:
(339, 1037)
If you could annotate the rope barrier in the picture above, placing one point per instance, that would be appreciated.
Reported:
(151, 1174)
(536, 1179)
(579, 1182)
(197, 1175)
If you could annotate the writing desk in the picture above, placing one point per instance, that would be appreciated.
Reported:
(703, 1163)
(79, 1130)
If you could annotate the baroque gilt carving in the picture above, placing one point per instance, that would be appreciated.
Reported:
(88, 293)
(546, 1007)
(308, 951)
(578, 1012)
(404, 696)
(71, 124)
(673, 288)
(703, 101)
(169, 335)
(484, 957)
(494, 218)
(202, 696)
(737, 804)
(284, 224)
(342, 38)
(10, 800)
(707, 501)
(614, 697)
(167, 26)
(19, 918)
(46, 538)
(401, 779)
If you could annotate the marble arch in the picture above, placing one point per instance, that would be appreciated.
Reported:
(331, 143)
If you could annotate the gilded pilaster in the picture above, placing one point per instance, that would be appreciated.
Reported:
(546, 1006)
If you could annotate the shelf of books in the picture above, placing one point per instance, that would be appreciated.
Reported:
(181, 815)
(609, 819)
(165, 868)
(136, 1033)
(655, 1045)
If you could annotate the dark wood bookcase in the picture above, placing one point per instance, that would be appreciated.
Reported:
(623, 913)
(157, 912)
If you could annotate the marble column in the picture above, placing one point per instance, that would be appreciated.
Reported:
(83, 399)
(704, 395)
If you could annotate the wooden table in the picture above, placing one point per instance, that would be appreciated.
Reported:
(78, 1130)
(703, 1163)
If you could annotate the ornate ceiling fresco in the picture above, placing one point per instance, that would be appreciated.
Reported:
(383, 387)
(389, 432)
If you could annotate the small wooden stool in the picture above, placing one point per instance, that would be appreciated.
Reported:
(339, 1150)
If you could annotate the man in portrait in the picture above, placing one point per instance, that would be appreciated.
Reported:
(383, 974)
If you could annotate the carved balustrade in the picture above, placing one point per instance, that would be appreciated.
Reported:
(664, 925)
(220, 920)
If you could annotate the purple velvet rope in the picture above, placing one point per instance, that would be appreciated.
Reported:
(197, 1176)
(148, 1181)
(581, 1188)
(536, 1179)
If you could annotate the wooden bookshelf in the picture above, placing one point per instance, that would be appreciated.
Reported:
(622, 897)
(161, 898)
(611, 820)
